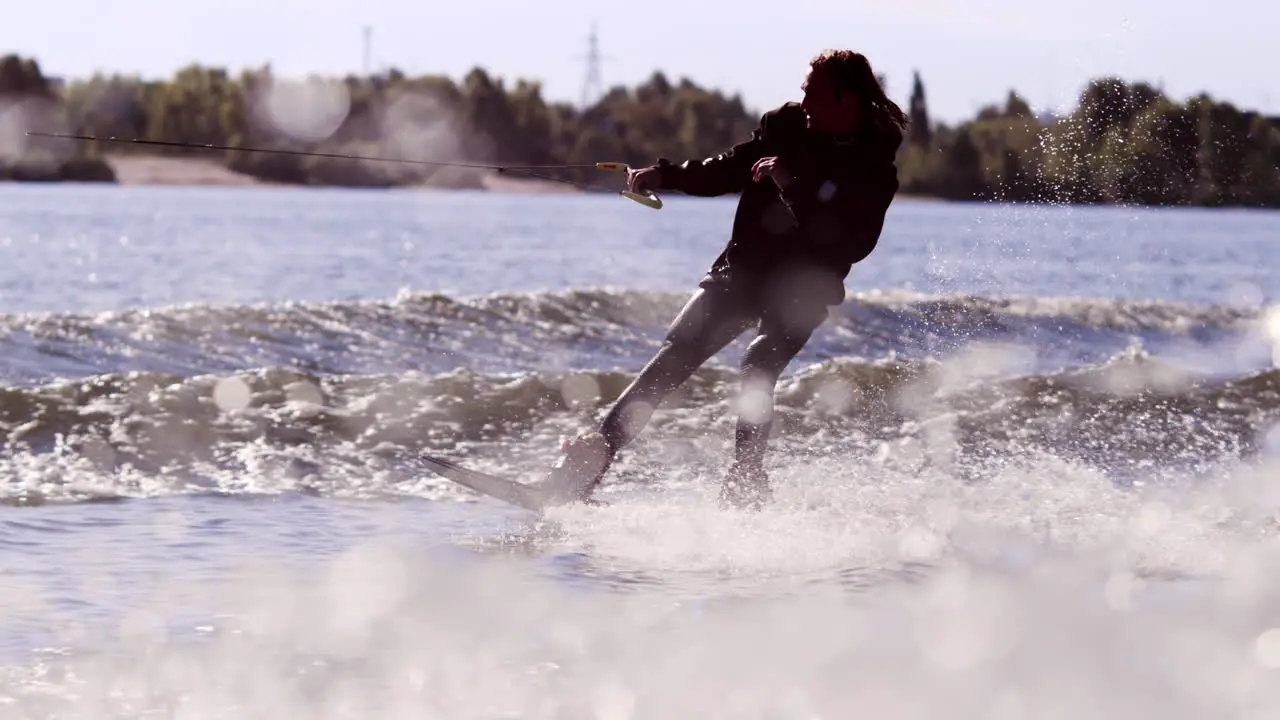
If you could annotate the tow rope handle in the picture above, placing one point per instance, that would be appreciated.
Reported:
(647, 198)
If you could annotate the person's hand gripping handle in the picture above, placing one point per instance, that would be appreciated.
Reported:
(640, 183)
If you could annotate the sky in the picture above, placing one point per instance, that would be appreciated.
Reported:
(969, 54)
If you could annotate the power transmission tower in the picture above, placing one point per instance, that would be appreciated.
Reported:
(593, 85)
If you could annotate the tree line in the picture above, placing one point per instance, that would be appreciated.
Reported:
(1125, 143)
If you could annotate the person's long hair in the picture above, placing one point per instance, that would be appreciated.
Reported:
(852, 73)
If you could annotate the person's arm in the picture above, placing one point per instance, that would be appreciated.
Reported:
(728, 172)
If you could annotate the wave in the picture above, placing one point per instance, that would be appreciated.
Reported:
(593, 330)
(140, 433)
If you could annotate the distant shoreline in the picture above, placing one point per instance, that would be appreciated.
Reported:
(139, 170)
(1125, 144)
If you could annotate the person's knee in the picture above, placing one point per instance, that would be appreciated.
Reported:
(796, 321)
(768, 355)
(701, 319)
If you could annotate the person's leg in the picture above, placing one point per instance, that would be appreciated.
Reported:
(783, 334)
(711, 319)
(708, 322)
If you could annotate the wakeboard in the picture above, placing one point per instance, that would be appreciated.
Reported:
(521, 495)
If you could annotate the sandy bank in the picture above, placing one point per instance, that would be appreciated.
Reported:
(505, 183)
(177, 171)
(150, 170)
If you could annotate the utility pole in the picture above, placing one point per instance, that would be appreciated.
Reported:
(368, 43)
(593, 85)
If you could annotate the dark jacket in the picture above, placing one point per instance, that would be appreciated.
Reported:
(829, 217)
